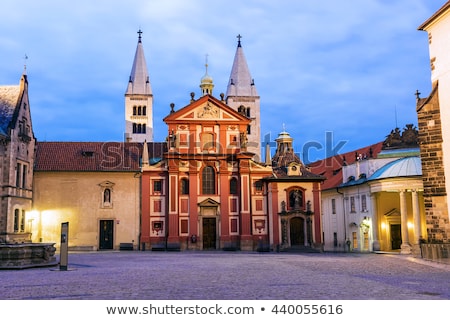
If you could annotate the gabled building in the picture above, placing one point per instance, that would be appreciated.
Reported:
(17, 147)
(209, 191)
(95, 187)
(206, 192)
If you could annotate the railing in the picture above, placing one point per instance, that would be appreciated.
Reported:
(436, 252)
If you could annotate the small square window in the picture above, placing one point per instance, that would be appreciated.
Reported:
(157, 186)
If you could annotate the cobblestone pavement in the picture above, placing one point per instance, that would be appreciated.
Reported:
(230, 276)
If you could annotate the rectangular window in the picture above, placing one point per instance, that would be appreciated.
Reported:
(366, 241)
(258, 186)
(157, 186)
(22, 221)
(18, 175)
(352, 205)
(363, 203)
(24, 176)
(355, 240)
(333, 206)
(335, 239)
(16, 220)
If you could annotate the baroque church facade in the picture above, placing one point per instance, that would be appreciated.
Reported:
(204, 188)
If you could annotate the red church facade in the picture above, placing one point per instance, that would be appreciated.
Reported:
(207, 192)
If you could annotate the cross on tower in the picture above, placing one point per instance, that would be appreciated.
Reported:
(239, 39)
(417, 94)
(140, 35)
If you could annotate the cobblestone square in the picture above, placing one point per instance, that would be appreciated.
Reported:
(138, 275)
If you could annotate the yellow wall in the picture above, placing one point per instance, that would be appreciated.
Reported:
(77, 198)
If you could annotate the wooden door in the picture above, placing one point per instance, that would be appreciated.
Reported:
(106, 238)
(209, 233)
(396, 236)
(297, 231)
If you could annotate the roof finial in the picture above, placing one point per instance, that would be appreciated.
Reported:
(140, 35)
(239, 39)
(25, 58)
(417, 94)
(206, 63)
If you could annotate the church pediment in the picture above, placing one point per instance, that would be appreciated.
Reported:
(392, 213)
(209, 203)
(207, 108)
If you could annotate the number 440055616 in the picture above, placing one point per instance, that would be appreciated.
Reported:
(308, 309)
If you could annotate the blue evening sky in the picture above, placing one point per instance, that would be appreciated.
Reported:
(342, 69)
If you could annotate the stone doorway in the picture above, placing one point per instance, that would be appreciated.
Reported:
(297, 231)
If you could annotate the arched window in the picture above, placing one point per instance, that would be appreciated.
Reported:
(134, 110)
(208, 180)
(233, 186)
(144, 110)
(139, 110)
(134, 128)
(184, 186)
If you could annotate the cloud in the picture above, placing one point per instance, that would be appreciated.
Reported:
(318, 65)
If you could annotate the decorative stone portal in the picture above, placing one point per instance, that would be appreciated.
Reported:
(27, 255)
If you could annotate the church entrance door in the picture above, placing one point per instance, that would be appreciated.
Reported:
(106, 238)
(396, 236)
(209, 233)
(297, 231)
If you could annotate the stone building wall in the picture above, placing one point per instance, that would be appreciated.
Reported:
(431, 152)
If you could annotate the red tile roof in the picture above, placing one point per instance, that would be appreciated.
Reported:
(93, 156)
(331, 167)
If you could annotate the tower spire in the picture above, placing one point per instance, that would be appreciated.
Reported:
(242, 93)
(206, 83)
(139, 99)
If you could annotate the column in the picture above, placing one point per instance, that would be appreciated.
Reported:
(405, 247)
(375, 224)
(416, 217)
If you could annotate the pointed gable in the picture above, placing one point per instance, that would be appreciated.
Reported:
(9, 96)
(206, 109)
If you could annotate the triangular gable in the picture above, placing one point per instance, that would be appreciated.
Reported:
(260, 166)
(207, 108)
(208, 203)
